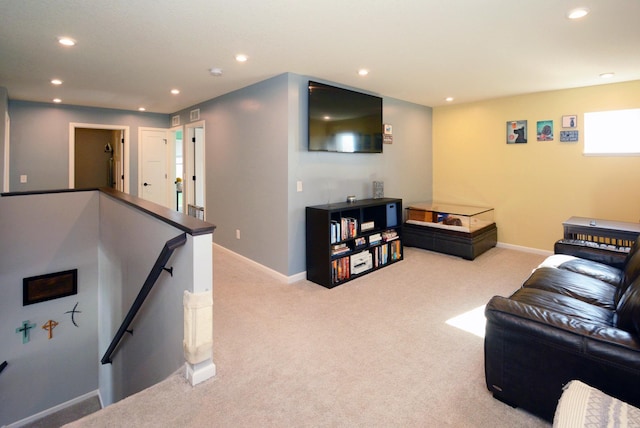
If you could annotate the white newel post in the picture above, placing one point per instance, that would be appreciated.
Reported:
(198, 313)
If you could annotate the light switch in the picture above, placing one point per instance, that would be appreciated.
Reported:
(299, 186)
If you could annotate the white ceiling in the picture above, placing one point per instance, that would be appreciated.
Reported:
(130, 53)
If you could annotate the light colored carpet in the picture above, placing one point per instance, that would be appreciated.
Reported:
(66, 415)
(375, 352)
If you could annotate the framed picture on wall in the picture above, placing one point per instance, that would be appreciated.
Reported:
(570, 121)
(544, 130)
(517, 132)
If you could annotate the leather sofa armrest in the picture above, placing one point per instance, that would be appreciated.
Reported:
(616, 346)
(531, 353)
(591, 251)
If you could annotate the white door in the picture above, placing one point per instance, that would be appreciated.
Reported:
(153, 166)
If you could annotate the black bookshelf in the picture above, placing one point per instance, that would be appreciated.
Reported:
(349, 239)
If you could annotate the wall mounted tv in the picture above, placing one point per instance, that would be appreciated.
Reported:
(341, 120)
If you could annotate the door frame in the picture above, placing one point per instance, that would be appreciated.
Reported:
(7, 129)
(125, 150)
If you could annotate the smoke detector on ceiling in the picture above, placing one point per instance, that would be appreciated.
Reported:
(215, 71)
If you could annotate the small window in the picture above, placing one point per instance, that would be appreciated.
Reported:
(612, 132)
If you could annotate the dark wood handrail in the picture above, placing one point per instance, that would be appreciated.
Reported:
(156, 270)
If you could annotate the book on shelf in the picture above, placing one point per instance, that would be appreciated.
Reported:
(349, 227)
(380, 255)
(376, 238)
(340, 269)
(339, 249)
(395, 250)
(386, 253)
(389, 235)
(335, 231)
(367, 225)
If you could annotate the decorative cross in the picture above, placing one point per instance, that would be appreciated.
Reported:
(49, 326)
(73, 312)
(26, 326)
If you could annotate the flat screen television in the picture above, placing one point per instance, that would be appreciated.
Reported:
(345, 121)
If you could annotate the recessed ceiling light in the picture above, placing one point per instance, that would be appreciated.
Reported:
(175, 91)
(57, 100)
(578, 13)
(241, 58)
(363, 72)
(66, 41)
(607, 75)
(142, 109)
(56, 82)
(215, 71)
(448, 99)
(326, 117)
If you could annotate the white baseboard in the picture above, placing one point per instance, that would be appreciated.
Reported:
(197, 373)
(269, 271)
(56, 409)
(525, 249)
(303, 275)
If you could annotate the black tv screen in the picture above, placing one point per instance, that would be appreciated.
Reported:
(341, 120)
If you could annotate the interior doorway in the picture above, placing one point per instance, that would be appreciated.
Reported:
(194, 165)
(176, 137)
(98, 156)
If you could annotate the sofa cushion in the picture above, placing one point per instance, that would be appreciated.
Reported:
(562, 304)
(627, 315)
(596, 270)
(582, 287)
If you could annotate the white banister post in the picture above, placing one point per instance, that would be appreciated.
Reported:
(198, 310)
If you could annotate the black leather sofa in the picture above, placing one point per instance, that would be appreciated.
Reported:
(573, 318)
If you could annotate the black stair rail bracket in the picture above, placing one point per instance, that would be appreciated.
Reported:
(3, 366)
(153, 276)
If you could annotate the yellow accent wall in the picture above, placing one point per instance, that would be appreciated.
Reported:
(536, 186)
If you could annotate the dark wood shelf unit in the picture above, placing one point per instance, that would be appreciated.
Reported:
(362, 253)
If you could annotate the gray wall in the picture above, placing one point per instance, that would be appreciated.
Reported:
(40, 140)
(256, 151)
(405, 166)
(130, 242)
(114, 247)
(246, 170)
(45, 234)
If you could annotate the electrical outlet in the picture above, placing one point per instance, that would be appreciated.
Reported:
(237, 233)
(23, 178)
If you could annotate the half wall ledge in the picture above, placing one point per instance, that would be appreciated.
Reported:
(190, 225)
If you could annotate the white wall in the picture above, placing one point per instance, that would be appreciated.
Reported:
(43, 234)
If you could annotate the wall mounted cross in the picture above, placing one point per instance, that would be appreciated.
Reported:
(49, 326)
(26, 326)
